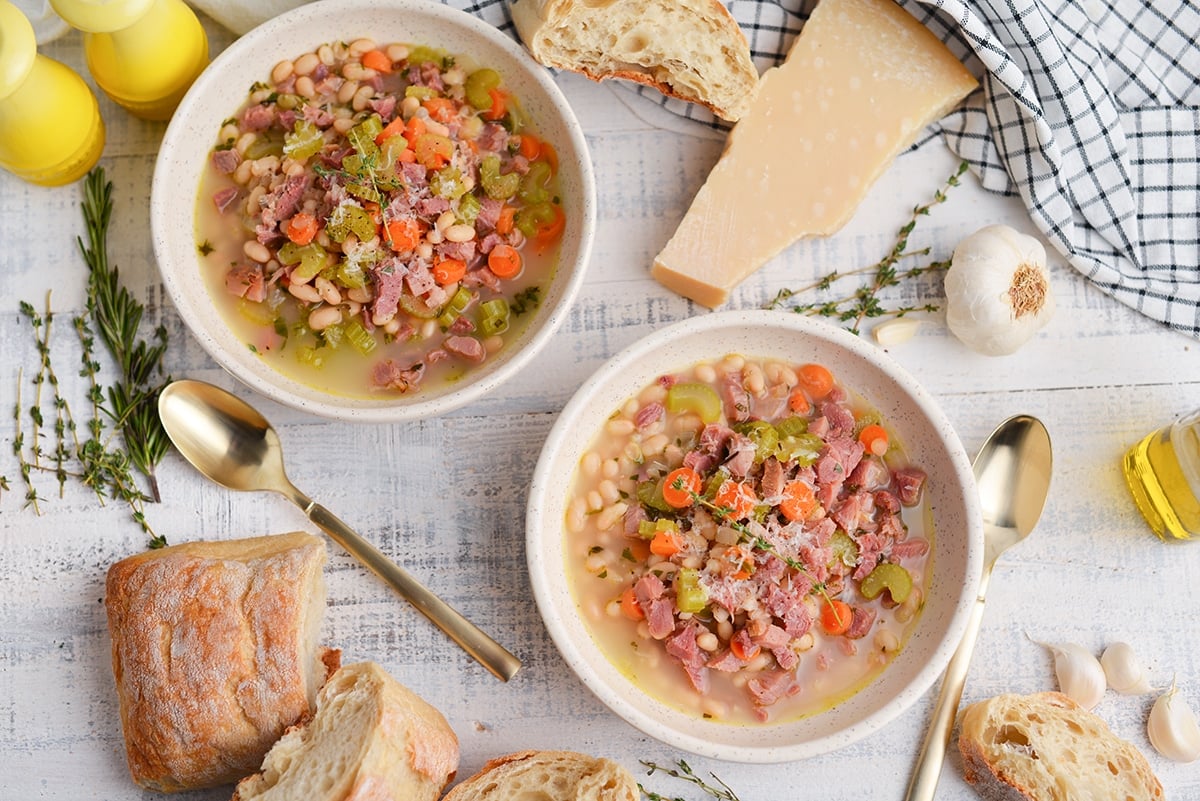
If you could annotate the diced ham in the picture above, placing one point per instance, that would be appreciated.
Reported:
(871, 474)
(414, 174)
(462, 325)
(224, 197)
(226, 161)
(257, 117)
(736, 398)
(389, 286)
(838, 459)
(649, 414)
(887, 502)
(489, 214)
(492, 139)
(741, 455)
(389, 375)
(910, 548)
(660, 618)
(328, 85)
(482, 277)
(468, 348)
(870, 548)
(909, 482)
(841, 419)
(384, 106)
(683, 647)
(419, 278)
(246, 281)
(463, 251)
(634, 515)
(432, 206)
(772, 480)
(855, 512)
(861, 618)
(769, 687)
(726, 662)
(317, 116)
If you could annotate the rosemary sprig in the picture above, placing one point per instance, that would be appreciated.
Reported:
(864, 302)
(684, 773)
(117, 316)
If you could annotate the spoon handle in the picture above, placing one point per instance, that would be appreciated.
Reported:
(483, 648)
(933, 751)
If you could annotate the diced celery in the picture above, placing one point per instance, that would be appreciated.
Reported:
(533, 186)
(492, 326)
(791, 426)
(310, 356)
(762, 434)
(478, 86)
(362, 136)
(692, 396)
(802, 448)
(360, 338)
(311, 258)
(421, 54)
(531, 219)
(304, 141)
(713, 485)
(421, 93)
(844, 549)
(461, 299)
(348, 219)
(497, 186)
(258, 313)
(649, 493)
(433, 150)
(334, 335)
(468, 209)
(689, 595)
(448, 183)
(266, 143)
(887, 576)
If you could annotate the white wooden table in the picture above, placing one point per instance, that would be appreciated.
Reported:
(446, 496)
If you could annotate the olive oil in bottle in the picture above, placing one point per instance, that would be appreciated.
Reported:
(1163, 472)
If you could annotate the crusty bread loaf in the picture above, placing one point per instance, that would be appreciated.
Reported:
(215, 653)
(1045, 747)
(370, 738)
(690, 49)
(548, 775)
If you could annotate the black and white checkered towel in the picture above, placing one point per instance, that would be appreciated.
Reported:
(1090, 111)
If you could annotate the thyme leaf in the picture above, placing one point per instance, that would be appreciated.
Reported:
(864, 302)
(684, 772)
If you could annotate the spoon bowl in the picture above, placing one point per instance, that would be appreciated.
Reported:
(228, 441)
(1012, 473)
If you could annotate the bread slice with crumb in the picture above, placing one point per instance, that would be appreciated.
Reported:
(550, 775)
(1045, 747)
(690, 49)
(370, 738)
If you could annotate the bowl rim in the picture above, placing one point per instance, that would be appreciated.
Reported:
(275, 385)
(554, 615)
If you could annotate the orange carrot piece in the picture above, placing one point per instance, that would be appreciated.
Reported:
(403, 235)
(449, 271)
(302, 228)
(440, 108)
(742, 652)
(377, 60)
(550, 156)
(499, 105)
(394, 128)
(798, 403)
(799, 501)
(629, 605)
(666, 543)
(816, 380)
(504, 224)
(736, 497)
(836, 617)
(679, 486)
(874, 438)
(531, 146)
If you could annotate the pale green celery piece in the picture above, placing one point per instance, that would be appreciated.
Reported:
(310, 356)
(689, 595)
(304, 141)
(692, 396)
(497, 186)
(533, 186)
(529, 219)
(312, 261)
(892, 577)
(257, 313)
(362, 136)
(266, 143)
(360, 338)
(448, 183)
(421, 93)
(478, 86)
(468, 209)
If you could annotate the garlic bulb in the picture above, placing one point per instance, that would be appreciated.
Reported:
(1079, 673)
(1124, 672)
(998, 290)
(1172, 727)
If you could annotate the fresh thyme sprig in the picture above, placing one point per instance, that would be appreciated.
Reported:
(684, 772)
(117, 316)
(864, 302)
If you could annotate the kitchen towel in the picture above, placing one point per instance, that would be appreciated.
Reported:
(1089, 111)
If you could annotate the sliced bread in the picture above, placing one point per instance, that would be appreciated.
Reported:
(690, 49)
(548, 775)
(370, 738)
(1046, 747)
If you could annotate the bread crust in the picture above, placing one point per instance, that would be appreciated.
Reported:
(1013, 749)
(370, 739)
(692, 50)
(553, 774)
(214, 653)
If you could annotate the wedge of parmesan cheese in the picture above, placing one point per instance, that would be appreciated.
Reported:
(861, 81)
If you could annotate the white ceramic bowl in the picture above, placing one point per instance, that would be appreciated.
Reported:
(930, 442)
(221, 90)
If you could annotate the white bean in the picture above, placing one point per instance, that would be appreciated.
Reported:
(611, 468)
(346, 91)
(887, 641)
(493, 344)
(655, 445)
(577, 514)
(306, 64)
(619, 427)
(360, 46)
(242, 173)
(329, 292)
(304, 292)
(392, 326)
(445, 220)
(607, 488)
(434, 237)
(362, 98)
(256, 251)
(594, 501)
(360, 294)
(611, 516)
(705, 373)
(324, 317)
(244, 141)
(409, 106)
(397, 52)
(733, 362)
(229, 132)
(590, 463)
(595, 564)
(305, 88)
(425, 250)
(343, 124)
(435, 127)
(429, 328)
(752, 379)
(613, 608)
(325, 54)
(708, 641)
(282, 71)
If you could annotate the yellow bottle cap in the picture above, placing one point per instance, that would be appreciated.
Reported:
(101, 16)
(18, 48)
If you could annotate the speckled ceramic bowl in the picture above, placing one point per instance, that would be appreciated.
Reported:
(929, 441)
(219, 92)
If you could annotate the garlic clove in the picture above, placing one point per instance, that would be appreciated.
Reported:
(1173, 729)
(1123, 670)
(1080, 676)
(896, 331)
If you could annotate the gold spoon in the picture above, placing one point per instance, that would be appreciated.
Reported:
(1012, 472)
(232, 444)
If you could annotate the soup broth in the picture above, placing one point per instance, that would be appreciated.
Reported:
(748, 542)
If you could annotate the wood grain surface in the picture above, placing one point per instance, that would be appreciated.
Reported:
(446, 497)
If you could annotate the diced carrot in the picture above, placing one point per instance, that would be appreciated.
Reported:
(680, 487)
(550, 156)
(629, 605)
(504, 261)
(404, 234)
(835, 617)
(408, 156)
(394, 128)
(744, 563)
(737, 498)
(376, 213)
(449, 271)
(799, 501)
(504, 223)
(743, 652)
(531, 146)
(441, 109)
(499, 105)
(667, 542)
(798, 403)
(816, 380)
(302, 228)
(377, 60)
(414, 128)
(547, 234)
(874, 438)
